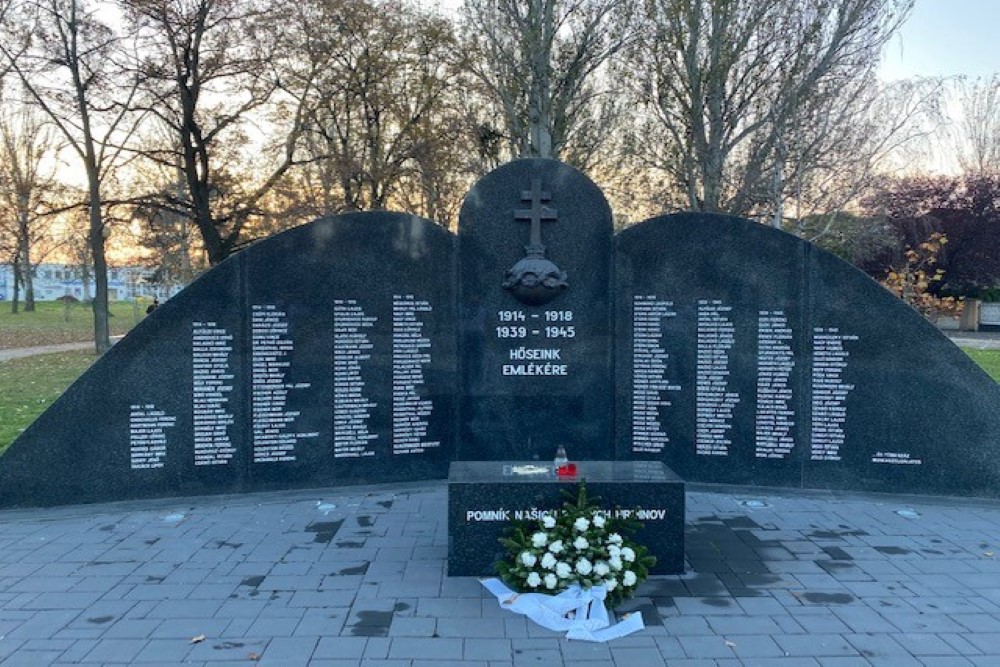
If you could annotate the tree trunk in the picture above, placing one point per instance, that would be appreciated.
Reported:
(85, 279)
(15, 288)
(27, 275)
(540, 112)
(196, 168)
(102, 336)
(711, 192)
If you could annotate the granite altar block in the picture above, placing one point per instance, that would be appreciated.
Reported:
(484, 496)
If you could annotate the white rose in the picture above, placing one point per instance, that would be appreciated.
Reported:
(556, 546)
(581, 524)
(599, 521)
(563, 570)
(534, 580)
(550, 581)
(549, 521)
(581, 543)
(614, 551)
(628, 554)
(629, 579)
(615, 538)
(528, 559)
(539, 540)
(601, 568)
(610, 584)
(615, 562)
(584, 567)
(548, 561)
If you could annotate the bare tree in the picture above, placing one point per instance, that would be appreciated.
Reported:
(71, 69)
(977, 130)
(16, 41)
(211, 72)
(544, 64)
(837, 156)
(726, 82)
(27, 179)
(387, 117)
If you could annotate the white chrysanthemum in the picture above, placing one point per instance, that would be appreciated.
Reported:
(581, 524)
(529, 559)
(534, 580)
(614, 551)
(615, 562)
(584, 567)
(549, 561)
(563, 570)
(628, 555)
(615, 538)
(549, 521)
(610, 584)
(629, 578)
(581, 543)
(539, 540)
(556, 547)
(599, 521)
(601, 568)
(551, 581)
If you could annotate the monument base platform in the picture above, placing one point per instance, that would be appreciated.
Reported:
(485, 496)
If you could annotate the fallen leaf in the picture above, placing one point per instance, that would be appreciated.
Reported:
(988, 554)
(199, 638)
(730, 644)
(254, 656)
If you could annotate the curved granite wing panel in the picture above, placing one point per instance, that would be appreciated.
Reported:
(230, 385)
(745, 355)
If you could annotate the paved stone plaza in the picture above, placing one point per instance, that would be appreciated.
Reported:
(357, 577)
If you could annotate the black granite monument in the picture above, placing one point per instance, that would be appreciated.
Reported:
(377, 347)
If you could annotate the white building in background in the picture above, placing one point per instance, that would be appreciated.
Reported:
(57, 281)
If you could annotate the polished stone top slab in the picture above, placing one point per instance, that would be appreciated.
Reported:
(471, 472)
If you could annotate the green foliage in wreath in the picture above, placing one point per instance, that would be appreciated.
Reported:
(578, 544)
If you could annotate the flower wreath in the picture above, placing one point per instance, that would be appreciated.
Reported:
(578, 544)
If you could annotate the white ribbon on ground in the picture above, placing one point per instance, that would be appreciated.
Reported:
(581, 614)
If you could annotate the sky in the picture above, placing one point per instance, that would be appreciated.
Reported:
(946, 38)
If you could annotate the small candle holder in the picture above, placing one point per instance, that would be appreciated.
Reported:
(561, 464)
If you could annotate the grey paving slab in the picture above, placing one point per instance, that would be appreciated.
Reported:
(814, 579)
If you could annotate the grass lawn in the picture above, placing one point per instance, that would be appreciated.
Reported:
(31, 384)
(988, 359)
(53, 322)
